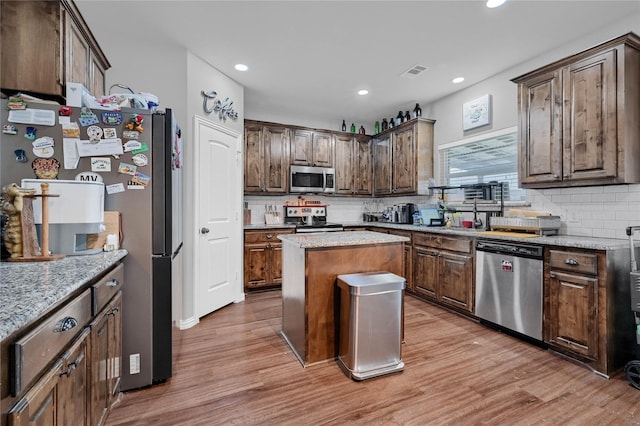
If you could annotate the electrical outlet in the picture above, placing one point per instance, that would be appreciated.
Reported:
(134, 364)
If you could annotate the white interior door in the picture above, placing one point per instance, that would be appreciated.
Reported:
(218, 199)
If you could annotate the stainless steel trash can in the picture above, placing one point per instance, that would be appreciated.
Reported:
(370, 324)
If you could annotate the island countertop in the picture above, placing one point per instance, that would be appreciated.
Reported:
(340, 239)
(29, 290)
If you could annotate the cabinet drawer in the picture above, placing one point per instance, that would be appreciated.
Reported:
(265, 236)
(106, 288)
(441, 242)
(34, 351)
(573, 261)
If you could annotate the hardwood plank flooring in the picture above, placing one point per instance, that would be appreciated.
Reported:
(234, 369)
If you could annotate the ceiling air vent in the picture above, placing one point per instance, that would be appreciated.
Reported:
(414, 71)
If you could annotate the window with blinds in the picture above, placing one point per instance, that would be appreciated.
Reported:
(491, 157)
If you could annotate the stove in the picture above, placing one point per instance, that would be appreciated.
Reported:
(310, 218)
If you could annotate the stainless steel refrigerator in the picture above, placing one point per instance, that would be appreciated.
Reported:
(150, 202)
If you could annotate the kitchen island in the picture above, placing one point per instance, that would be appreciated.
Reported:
(311, 264)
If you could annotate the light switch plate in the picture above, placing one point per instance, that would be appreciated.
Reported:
(134, 364)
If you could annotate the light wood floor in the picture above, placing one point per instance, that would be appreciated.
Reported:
(234, 369)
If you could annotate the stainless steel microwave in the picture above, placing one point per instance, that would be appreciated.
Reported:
(312, 179)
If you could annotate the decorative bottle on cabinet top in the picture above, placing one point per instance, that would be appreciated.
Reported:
(385, 125)
(391, 123)
(417, 111)
(407, 116)
(362, 131)
(399, 118)
(353, 128)
(344, 126)
(377, 127)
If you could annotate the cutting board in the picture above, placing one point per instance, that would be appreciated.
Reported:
(112, 224)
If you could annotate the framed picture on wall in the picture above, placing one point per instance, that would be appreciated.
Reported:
(476, 113)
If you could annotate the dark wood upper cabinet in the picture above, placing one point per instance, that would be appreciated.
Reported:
(579, 118)
(46, 44)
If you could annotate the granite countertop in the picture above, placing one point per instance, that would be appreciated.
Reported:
(590, 243)
(29, 290)
(339, 239)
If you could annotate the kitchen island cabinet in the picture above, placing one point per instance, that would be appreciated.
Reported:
(579, 118)
(311, 265)
(47, 343)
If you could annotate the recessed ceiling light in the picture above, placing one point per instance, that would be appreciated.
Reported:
(495, 3)
(363, 92)
(457, 80)
(241, 67)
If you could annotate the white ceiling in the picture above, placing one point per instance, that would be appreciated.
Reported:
(311, 57)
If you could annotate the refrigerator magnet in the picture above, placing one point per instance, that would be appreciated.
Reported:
(110, 133)
(89, 177)
(30, 133)
(71, 130)
(112, 118)
(45, 168)
(131, 145)
(94, 133)
(9, 129)
(127, 169)
(87, 117)
(130, 134)
(114, 188)
(45, 152)
(141, 179)
(140, 160)
(143, 148)
(100, 164)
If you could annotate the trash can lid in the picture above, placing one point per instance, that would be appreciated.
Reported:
(371, 282)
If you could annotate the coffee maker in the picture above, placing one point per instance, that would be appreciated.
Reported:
(405, 212)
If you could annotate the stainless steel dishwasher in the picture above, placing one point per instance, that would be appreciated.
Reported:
(509, 286)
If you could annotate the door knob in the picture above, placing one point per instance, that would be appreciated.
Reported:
(204, 230)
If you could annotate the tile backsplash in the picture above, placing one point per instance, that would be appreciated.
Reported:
(596, 211)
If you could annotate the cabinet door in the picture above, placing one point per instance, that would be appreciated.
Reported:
(301, 147)
(540, 103)
(32, 34)
(344, 164)
(590, 122)
(255, 265)
(38, 406)
(382, 165)
(322, 150)
(456, 280)
(77, 51)
(404, 162)
(363, 166)
(276, 157)
(425, 271)
(115, 348)
(253, 160)
(99, 367)
(72, 403)
(275, 264)
(573, 313)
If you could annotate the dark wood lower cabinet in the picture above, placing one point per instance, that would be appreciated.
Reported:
(60, 396)
(443, 270)
(263, 259)
(106, 341)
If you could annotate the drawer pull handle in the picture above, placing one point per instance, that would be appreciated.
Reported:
(571, 262)
(113, 283)
(72, 366)
(65, 324)
(114, 311)
(269, 235)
